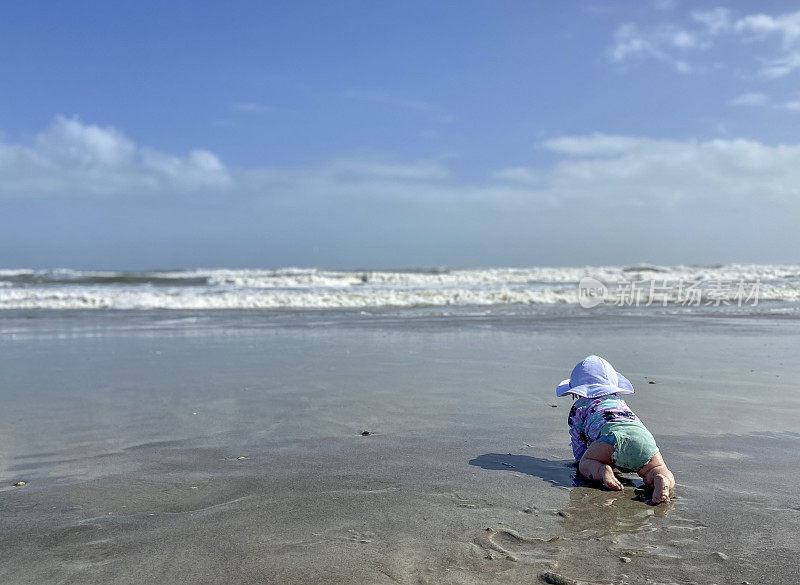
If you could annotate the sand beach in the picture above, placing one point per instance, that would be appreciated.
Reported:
(230, 448)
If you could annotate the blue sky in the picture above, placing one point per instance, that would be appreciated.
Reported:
(386, 134)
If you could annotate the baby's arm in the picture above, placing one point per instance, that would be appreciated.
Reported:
(655, 473)
(596, 464)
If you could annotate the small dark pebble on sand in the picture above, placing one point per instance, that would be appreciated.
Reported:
(528, 511)
(563, 514)
(652, 382)
(365, 433)
(556, 579)
(554, 406)
(625, 559)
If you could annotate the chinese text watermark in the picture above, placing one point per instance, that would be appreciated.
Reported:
(644, 293)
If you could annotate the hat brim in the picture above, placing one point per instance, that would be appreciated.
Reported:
(623, 386)
(563, 387)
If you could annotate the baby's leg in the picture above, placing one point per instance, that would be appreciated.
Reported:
(596, 464)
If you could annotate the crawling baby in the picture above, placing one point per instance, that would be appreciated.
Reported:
(605, 431)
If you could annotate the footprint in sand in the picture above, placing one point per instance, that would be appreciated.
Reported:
(360, 537)
(81, 543)
(510, 545)
(470, 503)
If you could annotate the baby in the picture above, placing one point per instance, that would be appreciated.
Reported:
(605, 431)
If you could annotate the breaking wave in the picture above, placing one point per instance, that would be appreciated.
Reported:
(303, 288)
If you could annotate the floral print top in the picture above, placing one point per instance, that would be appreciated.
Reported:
(588, 415)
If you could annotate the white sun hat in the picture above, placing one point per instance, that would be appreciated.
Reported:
(594, 377)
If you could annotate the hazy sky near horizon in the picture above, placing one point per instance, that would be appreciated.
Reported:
(398, 134)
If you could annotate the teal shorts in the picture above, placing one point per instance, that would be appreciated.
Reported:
(633, 444)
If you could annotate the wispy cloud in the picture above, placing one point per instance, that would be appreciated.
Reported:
(715, 21)
(786, 27)
(750, 99)
(665, 43)
(677, 45)
(383, 98)
(792, 105)
(761, 100)
(386, 99)
(521, 175)
(781, 66)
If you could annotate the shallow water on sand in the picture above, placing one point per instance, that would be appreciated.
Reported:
(130, 437)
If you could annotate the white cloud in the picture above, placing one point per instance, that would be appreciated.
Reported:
(629, 41)
(70, 141)
(674, 44)
(667, 173)
(73, 158)
(793, 105)
(761, 100)
(750, 99)
(591, 172)
(659, 42)
(786, 26)
(626, 172)
(781, 66)
(376, 168)
(716, 21)
(522, 175)
(593, 144)
(682, 39)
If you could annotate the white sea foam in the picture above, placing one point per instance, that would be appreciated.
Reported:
(301, 288)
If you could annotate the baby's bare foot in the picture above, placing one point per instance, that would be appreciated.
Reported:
(609, 479)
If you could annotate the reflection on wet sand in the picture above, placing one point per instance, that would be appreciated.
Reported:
(593, 512)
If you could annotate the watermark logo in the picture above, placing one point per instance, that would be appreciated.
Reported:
(591, 292)
(644, 293)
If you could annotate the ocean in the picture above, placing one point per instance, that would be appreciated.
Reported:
(735, 288)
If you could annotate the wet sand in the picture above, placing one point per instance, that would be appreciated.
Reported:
(229, 449)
